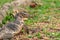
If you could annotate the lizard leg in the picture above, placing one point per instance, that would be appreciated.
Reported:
(26, 29)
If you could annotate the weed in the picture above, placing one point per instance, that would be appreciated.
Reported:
(38, 35)
(29, 36)
(9, 17)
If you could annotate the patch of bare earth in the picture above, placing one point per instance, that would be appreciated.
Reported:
(42, 28)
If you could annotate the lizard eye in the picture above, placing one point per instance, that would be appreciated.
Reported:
(25, 14)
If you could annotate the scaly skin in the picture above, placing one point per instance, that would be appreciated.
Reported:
(12, 28)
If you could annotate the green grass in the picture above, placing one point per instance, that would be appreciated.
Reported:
(38, 35)
(2, 2)
(30, 36)
(44, 12)
(9, 13)
(8, 17)
(49, 12)
(55, 35)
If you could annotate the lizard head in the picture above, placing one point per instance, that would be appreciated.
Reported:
(21, 14)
